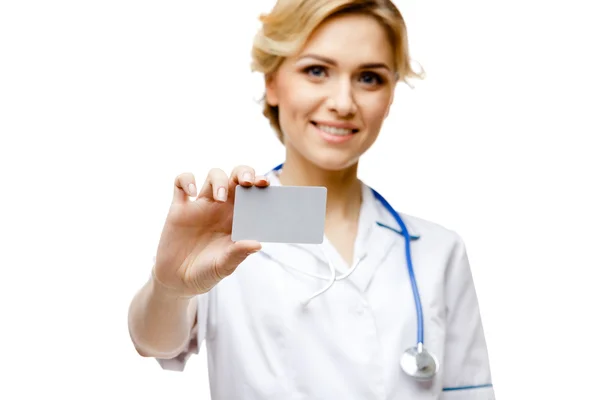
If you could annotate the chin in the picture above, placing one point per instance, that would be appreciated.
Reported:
(333, 162)
(327, 157)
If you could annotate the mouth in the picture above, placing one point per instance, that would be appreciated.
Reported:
(336, 130)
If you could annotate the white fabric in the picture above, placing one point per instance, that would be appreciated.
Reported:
(346, 344)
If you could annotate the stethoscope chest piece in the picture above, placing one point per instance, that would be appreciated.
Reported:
(418, 363)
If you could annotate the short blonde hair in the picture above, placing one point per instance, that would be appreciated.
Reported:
(291, 22)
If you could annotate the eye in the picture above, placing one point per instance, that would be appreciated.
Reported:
(316, 71)
(371, 78)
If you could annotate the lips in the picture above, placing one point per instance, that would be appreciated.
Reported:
(336, 129)
(334, 135)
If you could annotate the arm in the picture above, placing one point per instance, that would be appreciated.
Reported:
(168, 317)
(160, 322)
(466, 366)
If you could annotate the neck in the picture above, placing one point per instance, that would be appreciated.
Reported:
(343, 187)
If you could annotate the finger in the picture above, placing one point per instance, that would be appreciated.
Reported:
(261, 181)
(185, 185)
(235, 254)
(216, 186)
(243, 175)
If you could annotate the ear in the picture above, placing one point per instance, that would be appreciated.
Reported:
(271, 90)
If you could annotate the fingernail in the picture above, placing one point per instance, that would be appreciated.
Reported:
(221, 194)
(247, 177)
(192, 189)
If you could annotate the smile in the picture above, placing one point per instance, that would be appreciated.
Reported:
(335, 130)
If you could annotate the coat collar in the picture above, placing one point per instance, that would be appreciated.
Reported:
(377, 233)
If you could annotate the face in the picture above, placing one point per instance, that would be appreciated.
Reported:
(334, 95)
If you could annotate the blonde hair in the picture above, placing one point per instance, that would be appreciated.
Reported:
(291, 22)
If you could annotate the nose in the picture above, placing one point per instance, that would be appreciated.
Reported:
(341, 99)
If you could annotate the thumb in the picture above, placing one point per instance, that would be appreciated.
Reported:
(235, 254)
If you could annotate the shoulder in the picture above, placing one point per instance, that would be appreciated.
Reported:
(427, 228)
(444, 246)
(426, 232)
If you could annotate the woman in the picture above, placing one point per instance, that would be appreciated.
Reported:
(331, 68)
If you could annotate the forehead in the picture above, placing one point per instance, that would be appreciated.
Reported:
(351, 38)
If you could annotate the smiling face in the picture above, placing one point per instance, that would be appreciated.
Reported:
(334, 95)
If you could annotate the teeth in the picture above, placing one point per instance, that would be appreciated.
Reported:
(335, 131)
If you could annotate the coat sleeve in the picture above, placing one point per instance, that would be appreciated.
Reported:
(467, 374)
(197, 337)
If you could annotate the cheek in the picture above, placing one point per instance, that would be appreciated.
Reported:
(297, 102)
(375, 110)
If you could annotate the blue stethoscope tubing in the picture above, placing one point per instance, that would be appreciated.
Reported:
(417, 362)
(411, 272)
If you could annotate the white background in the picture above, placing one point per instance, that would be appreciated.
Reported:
(103, 103)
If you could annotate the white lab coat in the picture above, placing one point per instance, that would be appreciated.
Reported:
(262, 344)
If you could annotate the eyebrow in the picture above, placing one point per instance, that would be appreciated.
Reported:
(332, 62)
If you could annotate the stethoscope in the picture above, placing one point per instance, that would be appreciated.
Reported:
(416, 361)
